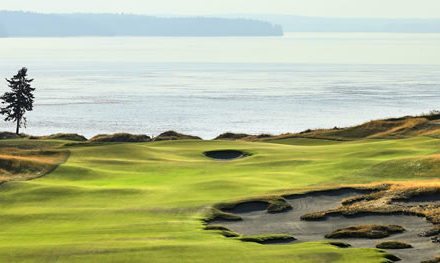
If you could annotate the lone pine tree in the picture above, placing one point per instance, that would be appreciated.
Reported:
(19, 100)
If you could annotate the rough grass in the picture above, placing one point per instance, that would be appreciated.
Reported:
(391, 258)
(173, 136)
(268, 239)
(340, 244)
(10, 135)
(232, 136)
(218, 215)
(144, 201)
(393, 245)
(223, 230)
(393, 128)
(366, 231)
(435, 260)
(274, 204)
(120, 137)
(61, 136)
(388, 201)
(378, 129)
(21, 163)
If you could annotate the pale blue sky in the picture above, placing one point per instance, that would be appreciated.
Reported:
(334, 8)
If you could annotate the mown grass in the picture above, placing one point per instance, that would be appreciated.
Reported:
(144, 202)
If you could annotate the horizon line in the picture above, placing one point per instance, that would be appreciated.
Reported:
(219, 15)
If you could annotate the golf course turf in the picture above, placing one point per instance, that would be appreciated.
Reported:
(146, 202)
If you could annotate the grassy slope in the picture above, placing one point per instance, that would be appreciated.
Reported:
(142, 202)
(26, 160)
(405, 127)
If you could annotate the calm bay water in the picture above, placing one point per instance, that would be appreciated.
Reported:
(206, 86)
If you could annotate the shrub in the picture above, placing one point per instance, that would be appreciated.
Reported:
(172, 136)
(120, 137)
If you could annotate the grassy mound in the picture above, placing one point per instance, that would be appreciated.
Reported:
(10, 135)
(389, 201)
(340, 244)
(226, 232)
(391, 258)
(366, 231)
(393, 245)
(435, 260)
(218, 215)
(120, 137)
(272, 204)
(28, 161)
(419, 194)
(269, 239)
(389, 128)
(428, 166)
(174, 136)
(229, 136)
(431, 233)
(232, 136)
(61, 136)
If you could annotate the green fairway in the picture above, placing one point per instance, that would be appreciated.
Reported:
(143, 202)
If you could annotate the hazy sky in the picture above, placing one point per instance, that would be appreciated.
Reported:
(336, 8)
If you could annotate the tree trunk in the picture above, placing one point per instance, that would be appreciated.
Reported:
(17, 131)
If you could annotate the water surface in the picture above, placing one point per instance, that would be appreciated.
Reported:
(206, 86)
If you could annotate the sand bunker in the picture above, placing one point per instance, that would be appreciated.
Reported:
(225, 154)
(257, 221)
(247, 207)
(423, 199)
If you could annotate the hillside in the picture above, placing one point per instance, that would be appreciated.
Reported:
(404, 127)
(25, 24)
(393, 128)
(291, 23)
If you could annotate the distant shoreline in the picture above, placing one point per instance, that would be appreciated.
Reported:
(397, 128)
(17, 24)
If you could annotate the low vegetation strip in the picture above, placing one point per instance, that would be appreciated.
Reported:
(120, 137)
(393, 245)
(269, 239)
(61, 136)
(435, 260)
(24, 163)
(226, 232)
(366, 231)
(340, 244)
(271, 204)
(404, 127)
(174, 136)
(218, 215)
(388, 202)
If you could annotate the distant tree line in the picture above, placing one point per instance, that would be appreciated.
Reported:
(16, 24)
